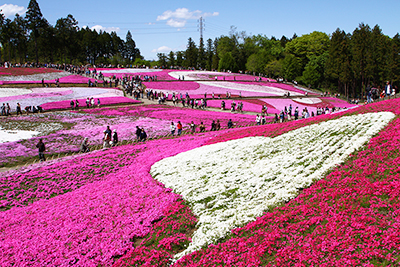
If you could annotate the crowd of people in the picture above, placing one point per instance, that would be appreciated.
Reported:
(5, 109)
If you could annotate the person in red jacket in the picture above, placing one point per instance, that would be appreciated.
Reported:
(179, 127)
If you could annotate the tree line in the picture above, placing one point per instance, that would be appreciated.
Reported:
(344, 62)
(33, 39)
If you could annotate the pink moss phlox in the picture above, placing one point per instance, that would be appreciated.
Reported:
(65, 104)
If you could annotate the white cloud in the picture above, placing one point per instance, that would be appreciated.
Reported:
(176, 23)
(161, 49)
(180, 16)
(10, 10)
(99, 28)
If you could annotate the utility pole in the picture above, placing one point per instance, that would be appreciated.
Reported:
(201, 27)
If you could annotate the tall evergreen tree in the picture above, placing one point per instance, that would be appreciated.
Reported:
(209, 54)
(131, 52)
(171, 59)
(191, 54)
(215, 57)
(201, 58)
(179, 58)
(338, 66)
(35, 22)
(2, 17)
(20, 41)
(361, 57)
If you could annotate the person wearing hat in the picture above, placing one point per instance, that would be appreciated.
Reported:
(114, 138)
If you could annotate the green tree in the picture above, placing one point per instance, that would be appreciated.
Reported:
(209, 54)
(215, 57)
(201, 58)
(162, 60)
(338, 65)
(227, 62)
(179, 58)
(35, 22)
(2, 18)
(131, 52)
(66, 34)
(191, 54)
(308, 45)
(171, 59)
(274, 68)
(291, 67)
(361, 57)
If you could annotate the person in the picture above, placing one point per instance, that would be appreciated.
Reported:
(72, 104)
(41, 148)
(217, 126)
(98, 102)
(193, 127)
(172, 127)
(230, 123)
(114, 138)
(106, 139)
(282, 116)
(76, 104)
(202, 128)
(3, 110)
(258, 119)
(87, 102)
(213, 126)
(28, 109)
(388, 89)
(85, 145)
(179, 127)
(108, 131)
(19, 109)
(233, 106)
(143, 135)
(8, 109)
(138, 132)
(223, 105)
(92, 102)
(276, 118)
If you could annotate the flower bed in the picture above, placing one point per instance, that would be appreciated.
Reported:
(250, 105)
(43, 95)
(100, 221)
(349, 218)
(232, 183)
(64, 132)
(210, 75)
(185, 115)
(280, 104)
(104, 101)
(180, 86)
(25, 71)
(96, 223)
(50, 79)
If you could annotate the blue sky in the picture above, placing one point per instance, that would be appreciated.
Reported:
(162, 26)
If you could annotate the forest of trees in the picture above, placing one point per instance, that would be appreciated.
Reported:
(33, 39)
(344, 62)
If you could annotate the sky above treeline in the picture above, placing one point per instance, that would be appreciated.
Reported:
(164, 26)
